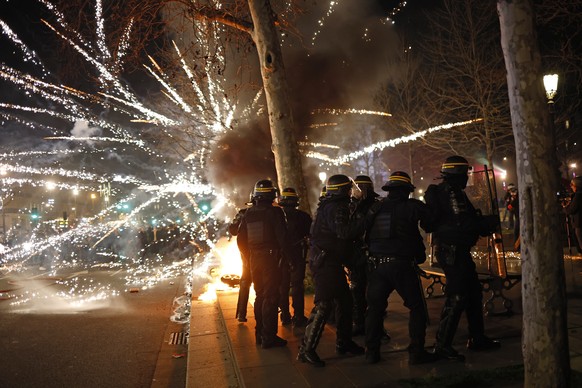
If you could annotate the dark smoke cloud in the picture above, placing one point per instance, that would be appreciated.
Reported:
(241, 158)
(342, 70)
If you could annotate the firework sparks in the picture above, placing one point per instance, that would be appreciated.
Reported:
(351, 111)
(167, 202)
(385, 144)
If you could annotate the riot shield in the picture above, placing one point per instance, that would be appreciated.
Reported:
(482, 193)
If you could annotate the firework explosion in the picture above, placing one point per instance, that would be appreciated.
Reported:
(160, 210)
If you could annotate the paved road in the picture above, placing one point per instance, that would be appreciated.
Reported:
(90, 328)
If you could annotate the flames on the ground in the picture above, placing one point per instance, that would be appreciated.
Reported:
(224, 276)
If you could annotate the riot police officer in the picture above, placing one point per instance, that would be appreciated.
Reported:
(298, 226)
(261, 237)
(332, 234)
(457, 227)
(357, 274)
(245, 279)
(396, 248)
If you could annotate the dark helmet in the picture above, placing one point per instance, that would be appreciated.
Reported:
(264, 190)
(398, 179)
(366, 185)
(455, 165)
(288, 197)
(338, 185)
(251, 195)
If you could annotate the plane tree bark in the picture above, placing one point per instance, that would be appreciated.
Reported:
(545, 335)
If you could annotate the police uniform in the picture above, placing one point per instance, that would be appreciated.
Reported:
(245, 279)
(261, 238)
(293, 275)
(396, 247)
(457, 227)
(332, 234)
(357, 273)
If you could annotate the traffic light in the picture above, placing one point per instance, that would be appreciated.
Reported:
(123, 207)
(204, 206)
(34, 216)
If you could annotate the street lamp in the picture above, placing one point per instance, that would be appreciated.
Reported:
(93, 196)
(551, 86)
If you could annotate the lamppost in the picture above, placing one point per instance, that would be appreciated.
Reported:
(551, 86)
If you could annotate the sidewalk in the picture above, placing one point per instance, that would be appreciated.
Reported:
(252, 366)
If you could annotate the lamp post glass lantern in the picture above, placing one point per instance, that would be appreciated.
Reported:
(551, 86)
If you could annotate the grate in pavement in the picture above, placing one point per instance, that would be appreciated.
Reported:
(178, 338)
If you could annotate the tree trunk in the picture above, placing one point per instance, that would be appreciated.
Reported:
(284, 144)
(545, 336)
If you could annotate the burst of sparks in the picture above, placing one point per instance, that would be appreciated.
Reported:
(139, 143)
(211, 111)
(389, 143)
(319, 145)
(320, 125)
(321, 21)
(332, 111)
(28, 54)
(395, 11)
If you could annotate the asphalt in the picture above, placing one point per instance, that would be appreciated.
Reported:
(222, 351)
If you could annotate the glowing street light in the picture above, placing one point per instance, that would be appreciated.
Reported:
(551, 86)
(323, 176)
(93, 196)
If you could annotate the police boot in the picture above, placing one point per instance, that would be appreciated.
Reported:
(482, 343)
(477, 340)
(273, 343)
(449, 321)
(372, 356)
(243, 300)
(313, 333)
(348, 346)
(418, 355)
(417, 329)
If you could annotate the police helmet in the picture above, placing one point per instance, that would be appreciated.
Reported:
(456, 165)
(338, 185)
(365, 184)
(398, 179)
(288, 197)
(264, 190)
